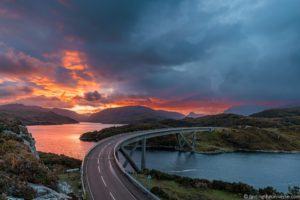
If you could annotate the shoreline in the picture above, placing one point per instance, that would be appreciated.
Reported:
(167, 148)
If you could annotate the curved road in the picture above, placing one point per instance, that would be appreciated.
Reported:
(103, 178)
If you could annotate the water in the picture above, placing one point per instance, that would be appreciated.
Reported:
(64, 139)
(256, 169)
(278, 170)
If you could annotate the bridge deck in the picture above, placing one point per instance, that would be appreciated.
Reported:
(104, 179)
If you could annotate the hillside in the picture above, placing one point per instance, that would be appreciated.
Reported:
(131, 114)
(245, 110)
(194, 115)
(221, 120)
(235, 133)
(21, 172)
(33, 115)
(70, 114)
(28, 174)
(278, 113)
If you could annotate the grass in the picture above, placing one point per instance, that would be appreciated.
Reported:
(249, 139)
(73, 179)
(177, 191)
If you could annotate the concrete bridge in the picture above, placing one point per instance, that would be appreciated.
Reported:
(104, 176)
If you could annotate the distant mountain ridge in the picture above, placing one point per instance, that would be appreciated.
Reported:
(70, 114)
(34, 115)
(279, 112)
(131, 114)
(194, 115)
(245, 110)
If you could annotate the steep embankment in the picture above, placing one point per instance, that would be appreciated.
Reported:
(22, 173)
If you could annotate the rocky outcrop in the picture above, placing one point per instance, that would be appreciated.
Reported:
(44, 193)
(25, 136)
(22, 174)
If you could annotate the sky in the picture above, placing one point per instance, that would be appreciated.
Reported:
(178, 55)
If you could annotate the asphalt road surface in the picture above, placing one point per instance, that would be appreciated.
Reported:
(103, 178)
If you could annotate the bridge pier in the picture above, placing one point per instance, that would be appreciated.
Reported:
(128, 158)
(184, 143)
(130, 154)
(143, 156)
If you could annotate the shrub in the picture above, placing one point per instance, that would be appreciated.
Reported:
(160, 192)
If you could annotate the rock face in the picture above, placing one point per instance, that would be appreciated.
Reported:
(25, 136)
(47, 193)
(22, 174)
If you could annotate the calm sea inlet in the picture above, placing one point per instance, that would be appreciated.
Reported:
(279, 170)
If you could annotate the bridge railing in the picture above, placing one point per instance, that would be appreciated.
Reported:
(137, 136)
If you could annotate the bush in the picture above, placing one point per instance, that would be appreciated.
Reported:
(240, 188)
(160, 193)
(267, 191)
(51, 159)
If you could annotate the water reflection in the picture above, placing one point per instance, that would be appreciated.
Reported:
(258, 169)
(64, 139)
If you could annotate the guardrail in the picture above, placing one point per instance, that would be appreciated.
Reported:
(148, 134)
(133, 137)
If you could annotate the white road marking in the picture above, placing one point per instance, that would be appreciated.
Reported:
(103, 181)
(115, 175)
(112, 196)
(99, 169)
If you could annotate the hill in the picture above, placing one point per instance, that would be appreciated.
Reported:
(245, 110)
(33, 115)
(194, 115)
(220, 120)
(131, 114)
(278, 113)
(70, 114)
(28, 174)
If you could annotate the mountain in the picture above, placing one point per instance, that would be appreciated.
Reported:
(245, 110)
(34, 115)
(130, 114)
(194, 115)
(278, 113)
(70, 114)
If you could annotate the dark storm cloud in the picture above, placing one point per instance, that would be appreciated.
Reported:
(92, 96)
(17, 63)
(234, 50)
(12, 89)
(64, 76)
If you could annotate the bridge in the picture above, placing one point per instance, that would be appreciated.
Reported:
(104, 176)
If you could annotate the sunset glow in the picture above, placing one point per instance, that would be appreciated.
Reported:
(54, 58)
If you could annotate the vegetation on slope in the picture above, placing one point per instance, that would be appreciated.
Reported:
(235, 133)
(33, 115)
(173, 187)
(22, 170)
(278, 113)
(132, 114)
(19, 167)
(60, 164)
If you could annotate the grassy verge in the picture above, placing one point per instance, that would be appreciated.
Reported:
(174, 190)
(174, 187)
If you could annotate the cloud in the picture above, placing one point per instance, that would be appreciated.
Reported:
(13, 90)
(92, 96)
(164, 53)
(43, 101)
